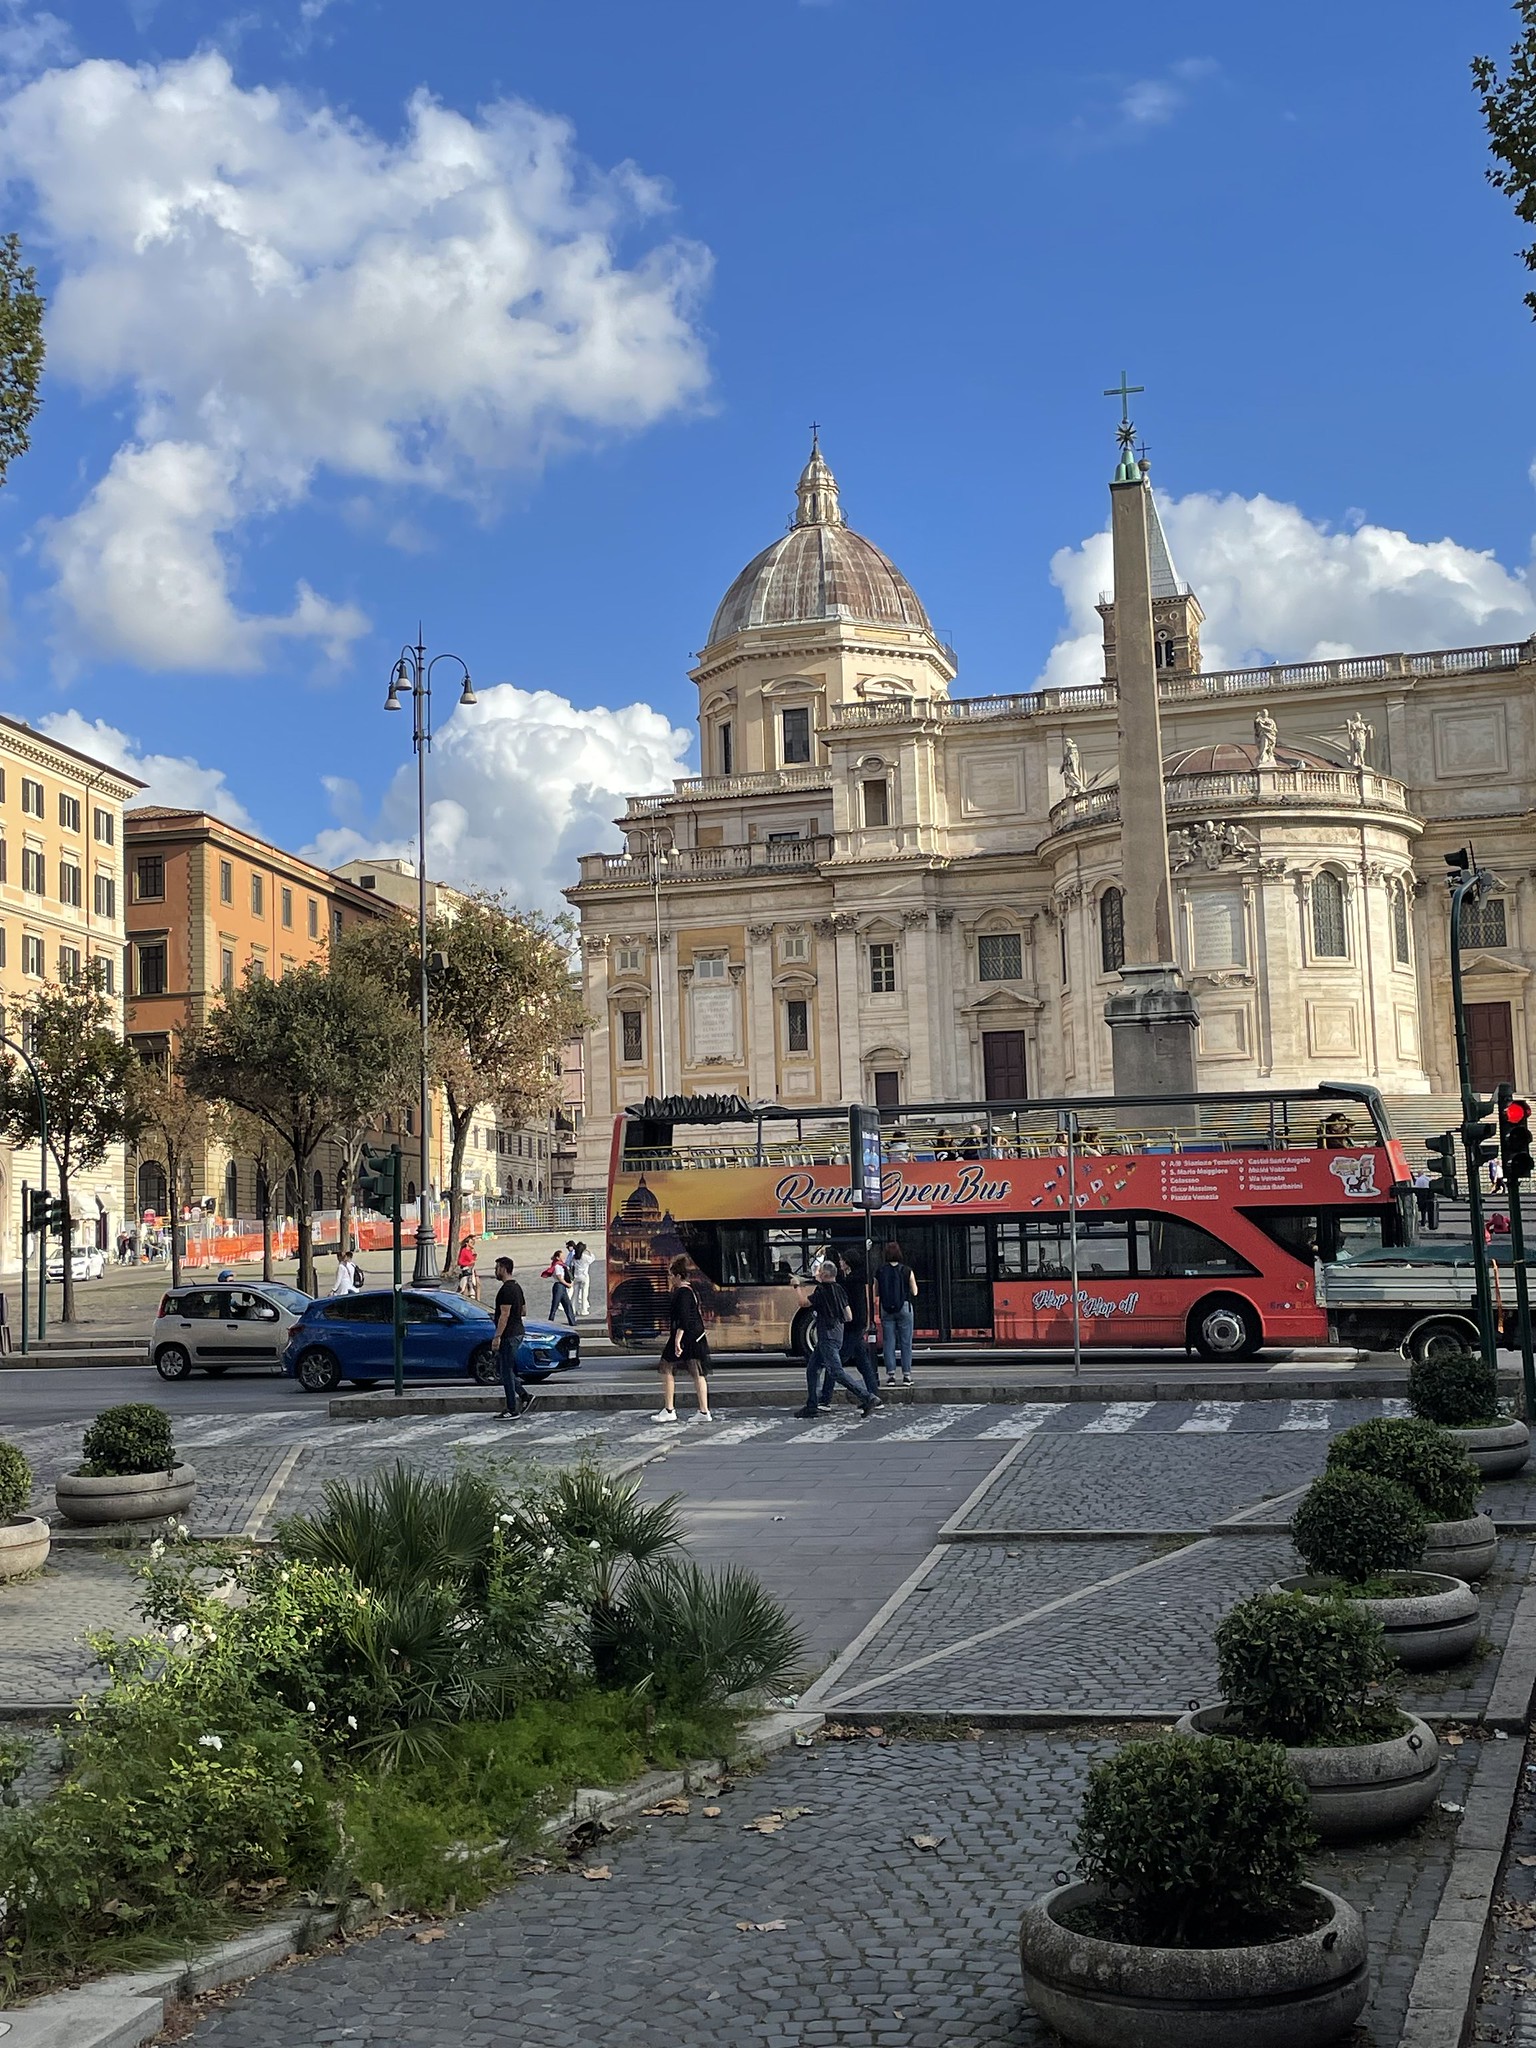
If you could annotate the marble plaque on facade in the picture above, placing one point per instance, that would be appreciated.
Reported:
(1216, 919)
(990, 783)
(712, 1016)
(1407, 1034)
(1333, 1029)
(1223, 1032)
(1472, 740)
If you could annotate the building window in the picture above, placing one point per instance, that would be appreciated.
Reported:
(104, 895)
(314, 918)
(151, 877)
(1482, 923)
(797, 1026)
(32, 871)
(226, 881)
(107, 972)
(69, 883)
(633, 1041)
(105, 828)
(258, 967)
(1167, 651)
(727, 751)
(335, 927)
(882, 968)
(1400, 923)
(877, 807)
(152, 969)
(3, 862)
(258, 896)
(69, 812)
(1111, 931)
(887, 1087)
(69, 963)
(31, 797)
(627, 960)
(710, 967)
(794, 946)
(2, 963)
(31, 955)
(287, 901)
(1061, 933)
(1000, 956)
(797, 736)
(226, 967)
(1328, 938)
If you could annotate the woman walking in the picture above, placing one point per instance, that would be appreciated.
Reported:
(829, 1306)
(581, 1278)
(559, 1292)
(896, 1284)
(469, 1279)
(686, 1345)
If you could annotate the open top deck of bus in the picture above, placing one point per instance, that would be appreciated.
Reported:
(682, 1133)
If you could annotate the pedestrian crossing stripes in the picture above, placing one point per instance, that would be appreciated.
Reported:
(607, 1431)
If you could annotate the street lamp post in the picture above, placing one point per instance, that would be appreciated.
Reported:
(28, 1062)
(1468, 882)
(413, 673)
(660, 851)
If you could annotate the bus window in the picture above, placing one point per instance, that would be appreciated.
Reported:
(701, 1241)
(1008, 1251)
(1330, 1234)
(743, 1255)
(789, 1256)
(1360, 1230)
(1168, 1248)
(1297, 1231)
(976, 1251)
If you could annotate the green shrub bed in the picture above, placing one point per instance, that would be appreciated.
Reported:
(389, 1702)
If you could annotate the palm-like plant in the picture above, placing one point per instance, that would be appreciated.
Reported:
(402, 1528)
(701, 1637)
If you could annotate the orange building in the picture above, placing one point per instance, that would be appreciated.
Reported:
(204, 904)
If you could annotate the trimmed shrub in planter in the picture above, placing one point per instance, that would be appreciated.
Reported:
(129, 1472)
(1195, 1925)
(1355, 1528)
(24, 1539)
(1418, 1455)
(1455, 1389)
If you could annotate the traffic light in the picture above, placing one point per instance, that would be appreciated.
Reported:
(378, 1181)
(1442, 1165)
(38, 1210)
(1480, 1134)
(1515, 1139)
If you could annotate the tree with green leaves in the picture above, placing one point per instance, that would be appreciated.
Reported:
(21, 352)
(502, 1005)
(88, 1079)
(1509, 112)
(179, 1124)
(308, 1055)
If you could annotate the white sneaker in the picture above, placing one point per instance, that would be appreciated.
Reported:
(705, 1417)
(665, 1415)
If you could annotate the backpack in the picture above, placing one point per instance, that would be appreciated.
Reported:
(894, 1285)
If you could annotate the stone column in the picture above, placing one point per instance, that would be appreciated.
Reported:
(761, 1020)
(1152, 1019)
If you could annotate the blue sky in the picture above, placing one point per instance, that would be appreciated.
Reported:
(312, 378)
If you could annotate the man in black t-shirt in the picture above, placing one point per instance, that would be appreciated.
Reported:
(510, 1310)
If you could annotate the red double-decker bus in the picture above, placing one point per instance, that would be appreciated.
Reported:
(1199, 1220)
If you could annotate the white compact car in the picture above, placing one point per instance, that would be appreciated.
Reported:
(212, 1326)
(88, 1261)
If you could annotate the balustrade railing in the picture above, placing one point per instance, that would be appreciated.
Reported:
(707, 863)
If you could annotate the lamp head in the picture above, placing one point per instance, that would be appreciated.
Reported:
(467, 694)
(1459, 861)
(392, 701)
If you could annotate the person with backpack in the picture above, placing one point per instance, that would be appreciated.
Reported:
(829, 1306)
(686, 1345)
(857, 1355)
(896, 1285)
(559, 1291)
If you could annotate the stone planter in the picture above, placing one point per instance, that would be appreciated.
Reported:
(1296, 1993)
(126, 1497)
(24, 1542)
(1368, 1788)
(1423, 1630)
(1460, 1550)
(1496, 1449)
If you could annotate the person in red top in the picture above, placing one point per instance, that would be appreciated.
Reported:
(469, 1279)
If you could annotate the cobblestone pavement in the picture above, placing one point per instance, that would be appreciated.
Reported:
(44, 1619)
(1067, 1482)
(871, 1941)
(1135, 1639)
(1506, 2008)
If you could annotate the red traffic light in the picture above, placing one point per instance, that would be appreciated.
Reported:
(1517, 1112)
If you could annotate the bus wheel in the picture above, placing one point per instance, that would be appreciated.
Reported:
(1442, 1338)
(1224, 1328)
(802, 1337)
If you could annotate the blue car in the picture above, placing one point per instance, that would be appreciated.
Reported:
(350, 1337)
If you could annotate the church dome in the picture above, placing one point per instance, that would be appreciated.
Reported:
(642, 1206)
(820, 569)
(1239, 757)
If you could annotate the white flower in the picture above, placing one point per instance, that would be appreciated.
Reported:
(549, 1551)
(594, 1544)
(157, 1549)
(180, 1632)
(182, 1529)
(310, 1708)
(297, 1768)
(352, 1722)
(210, 1742)
(505, 1521)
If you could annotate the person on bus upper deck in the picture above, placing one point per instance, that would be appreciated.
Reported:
(1335, 1131)
(898, 1149)
(973, 1145)
(943, 1144)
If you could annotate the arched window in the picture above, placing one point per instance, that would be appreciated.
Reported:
(152, 1190)
(231, 1190)
(317, 1189)
(1112, 930)
(1400, 923)
(1328, 941)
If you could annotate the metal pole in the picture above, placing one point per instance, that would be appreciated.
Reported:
(1522, 1294)
(425, 1273)
(661, 1024)
(397, 1313)
(26, 1306)
(1468, 885)
(1068, 1117)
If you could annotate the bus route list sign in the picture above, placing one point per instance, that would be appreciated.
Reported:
(866, 1156)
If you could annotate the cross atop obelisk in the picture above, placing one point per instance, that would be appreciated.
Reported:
(1152, 1019)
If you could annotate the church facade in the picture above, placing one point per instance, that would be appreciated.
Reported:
(880, 890)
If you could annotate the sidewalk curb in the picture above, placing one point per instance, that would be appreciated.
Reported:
(1441, 2001)
(131, 2008)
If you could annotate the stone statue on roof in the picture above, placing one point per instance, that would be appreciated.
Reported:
(1360, 737)
(1072, 768)
(1267, 733)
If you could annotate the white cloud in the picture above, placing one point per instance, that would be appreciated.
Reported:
(285, 292)
(173, 779)
(31, 38)
(1154, 102)
(1276, 585)
(518, 786)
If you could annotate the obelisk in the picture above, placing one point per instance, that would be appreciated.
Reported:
(1152, 1017)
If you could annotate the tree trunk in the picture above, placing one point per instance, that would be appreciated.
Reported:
(306, 1228)
(171, 1164)
(459, 1125)
(68, 1315)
